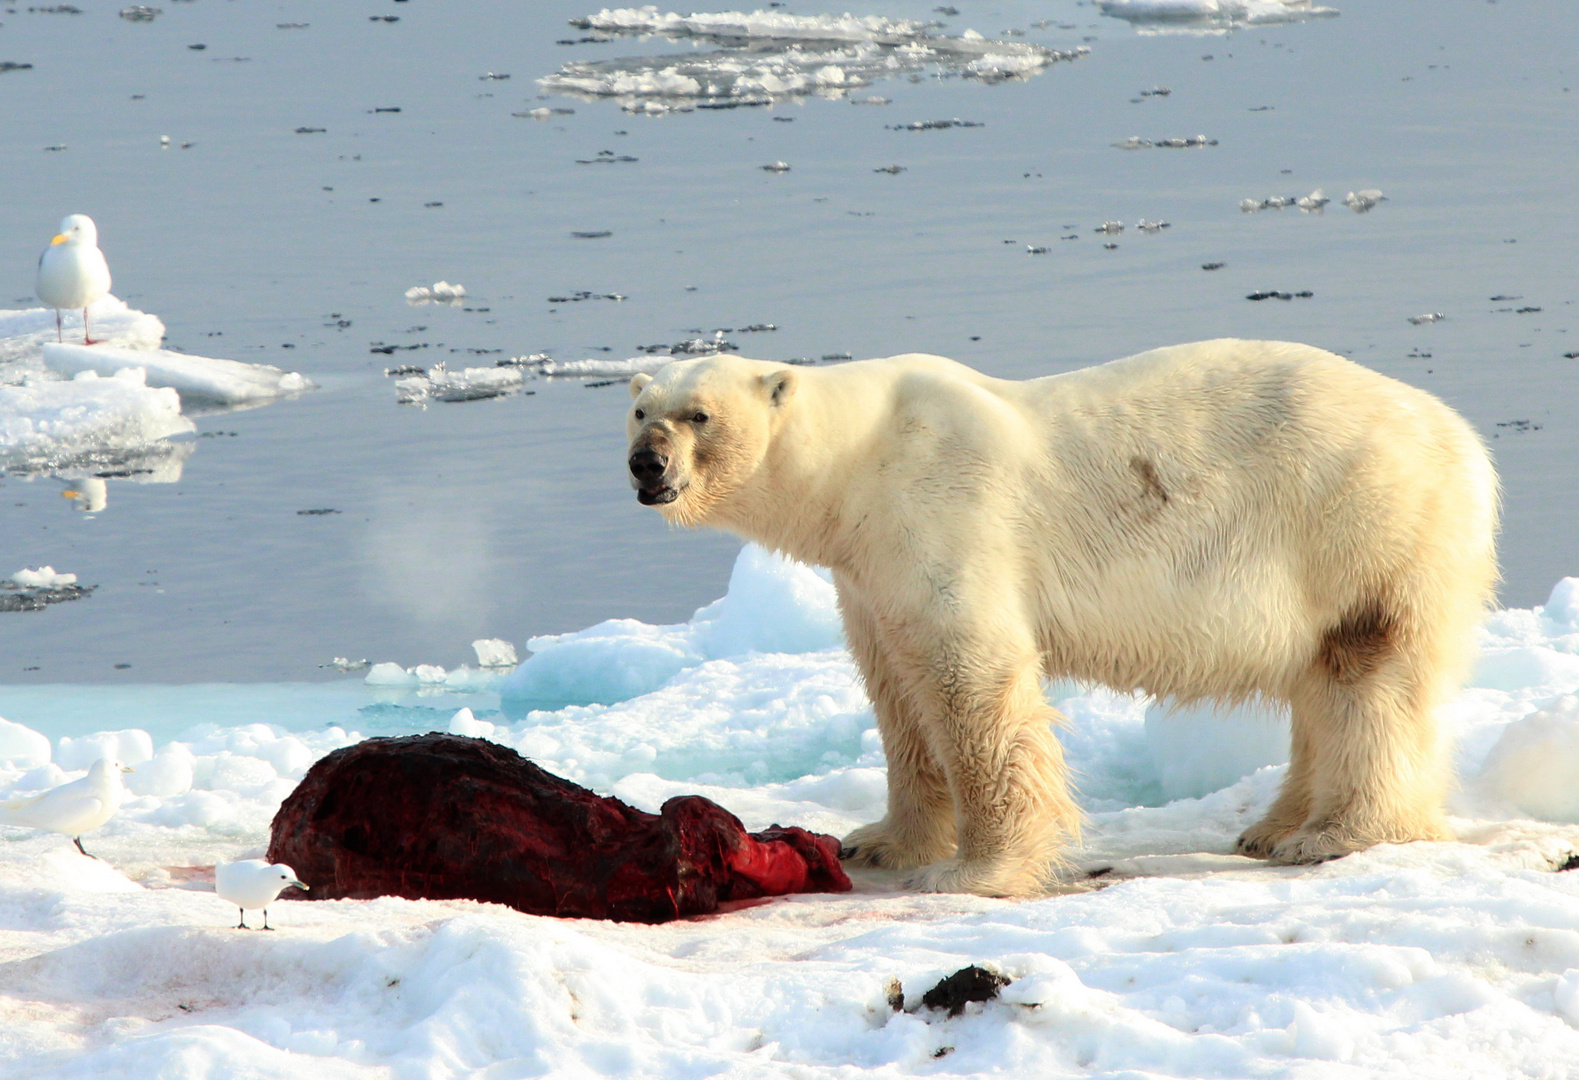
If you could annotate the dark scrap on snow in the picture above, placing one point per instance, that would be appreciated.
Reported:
(964, 986)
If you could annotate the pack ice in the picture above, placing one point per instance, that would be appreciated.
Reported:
(770, 54)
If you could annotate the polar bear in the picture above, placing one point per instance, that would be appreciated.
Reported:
(1226, 520)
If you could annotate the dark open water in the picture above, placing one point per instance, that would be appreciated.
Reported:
(512, 517)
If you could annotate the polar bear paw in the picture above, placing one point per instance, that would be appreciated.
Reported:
(1260, 840)
(981, 877)
(878, 845)
(1307, 846)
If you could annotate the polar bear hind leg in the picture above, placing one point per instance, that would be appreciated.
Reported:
(1368, 765)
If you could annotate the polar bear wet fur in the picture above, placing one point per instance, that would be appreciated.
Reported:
(1225, 519)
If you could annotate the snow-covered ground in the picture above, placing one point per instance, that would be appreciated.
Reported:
(1440, 960)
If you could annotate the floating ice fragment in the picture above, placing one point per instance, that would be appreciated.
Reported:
(1109, 227)
(494, 652)
(141, 13)
(43, 578)
(1313, 202)
(891, 170)
(47, 423)
(1428, 317)
(203, 378)
(776, 167)
(1146, 226)
(440, 292)
(1210, 16)
(470, 384)
(770, 55)
(1362, 201)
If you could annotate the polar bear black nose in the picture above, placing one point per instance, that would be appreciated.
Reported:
(647, 467)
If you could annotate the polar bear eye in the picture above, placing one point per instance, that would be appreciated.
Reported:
(640, 415)
(699, 418)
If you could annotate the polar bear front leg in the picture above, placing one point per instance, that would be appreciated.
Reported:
(1006, 772)
(919, 826)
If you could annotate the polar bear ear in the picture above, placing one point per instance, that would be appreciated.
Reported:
(780, 386)
(639, 383)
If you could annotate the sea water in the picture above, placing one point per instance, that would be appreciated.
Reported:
(345, 524)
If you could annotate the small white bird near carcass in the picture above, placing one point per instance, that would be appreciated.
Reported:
(252, 885)
(72, 272)
(73, 808)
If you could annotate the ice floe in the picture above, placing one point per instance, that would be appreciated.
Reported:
(1211, 16)
(440, 292)
(438, 383)
(47, 423)
(24, 333)
(771, 55)
(195, 378)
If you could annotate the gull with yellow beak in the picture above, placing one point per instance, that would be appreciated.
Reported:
(72, 272)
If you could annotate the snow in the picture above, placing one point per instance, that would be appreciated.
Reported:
(1456, 959)
(202, 378)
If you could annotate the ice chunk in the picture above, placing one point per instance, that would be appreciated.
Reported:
(595, 368)
(47, 423)
(133, 746)
(24, 333)
(1562, 607)
(227, 382)
(464, 722)
(495, 652)
(777, 55)
(1364, 200)
(21, 747)
(1535, 765)
(1510, 669)
(43, 578)
(1199, 749)
(470, 384)
(1211, 15)
(773, 605)
(440, 292)
(167, 774)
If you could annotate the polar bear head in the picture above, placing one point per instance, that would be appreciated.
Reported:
(700, 429)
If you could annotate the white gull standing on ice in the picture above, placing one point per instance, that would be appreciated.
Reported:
(253, 885)
(72, 272)
(74, 808)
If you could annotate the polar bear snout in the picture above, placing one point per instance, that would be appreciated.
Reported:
(649, 470)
